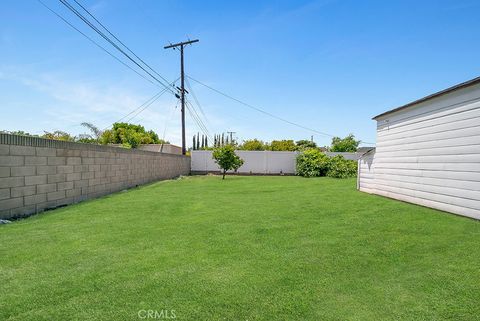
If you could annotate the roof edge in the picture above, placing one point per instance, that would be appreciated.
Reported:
(465, 84)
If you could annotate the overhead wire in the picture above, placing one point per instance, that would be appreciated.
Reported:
(196, 115)
(121, 42)
(143, 106)
(197, 121)
(94, 42)
(147, 103)
(93, 27)
(192, 92)
(146, 106)
(167, 120)
(263, 111)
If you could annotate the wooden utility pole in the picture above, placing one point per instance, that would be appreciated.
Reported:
(181, 45)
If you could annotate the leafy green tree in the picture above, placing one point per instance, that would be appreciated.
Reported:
(347, 144)
(226, 158)
(253, 144)
(59, 135)
(305, 144)
(129, 135)
(194, 143)
(282, 145)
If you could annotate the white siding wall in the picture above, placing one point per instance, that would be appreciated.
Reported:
(429, 154)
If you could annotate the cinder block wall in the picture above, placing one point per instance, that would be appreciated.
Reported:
(38, 174)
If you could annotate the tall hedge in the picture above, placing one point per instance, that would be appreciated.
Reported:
(313, 163)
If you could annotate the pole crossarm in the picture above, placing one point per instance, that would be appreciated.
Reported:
(180, 44)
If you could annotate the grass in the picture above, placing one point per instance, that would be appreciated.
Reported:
(247, 248)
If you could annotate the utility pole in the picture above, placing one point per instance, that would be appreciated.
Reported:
(231, 136)
(182, 86)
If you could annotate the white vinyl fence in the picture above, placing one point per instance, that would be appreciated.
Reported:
(256, 162)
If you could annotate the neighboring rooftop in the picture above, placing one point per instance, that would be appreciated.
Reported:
(467, 83)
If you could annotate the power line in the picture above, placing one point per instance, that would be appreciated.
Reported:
(147, 103)
(197, 116)
(145, 107)
(263, 111)
(95, 43)
(197, 119)
(93, 27)
(116, 38)
(167, 120)
(196, 99)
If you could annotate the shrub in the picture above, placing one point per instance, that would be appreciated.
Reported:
(312, 163)
(339, 167)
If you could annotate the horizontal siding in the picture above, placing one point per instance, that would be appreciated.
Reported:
(459, 111)
(437, 125)
(455, 132)
(450, 175)
(437, 159)
(460, 210)
(463, 167)
(429, 155)
(430, 181)
(472, 137)
(455, 99)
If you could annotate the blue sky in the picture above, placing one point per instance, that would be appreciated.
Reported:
(328, 65)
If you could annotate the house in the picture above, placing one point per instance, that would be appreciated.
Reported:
(162, 148)
(365, 149)
(428, 152)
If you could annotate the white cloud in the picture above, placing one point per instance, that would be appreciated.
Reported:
(66, 103)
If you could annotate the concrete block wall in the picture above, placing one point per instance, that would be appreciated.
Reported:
(38, 174)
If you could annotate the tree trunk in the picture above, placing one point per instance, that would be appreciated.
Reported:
(223, 174)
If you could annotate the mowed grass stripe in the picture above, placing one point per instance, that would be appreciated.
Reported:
(246, 248)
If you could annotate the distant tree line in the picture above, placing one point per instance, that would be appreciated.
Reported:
(125, 134)
(346, 144)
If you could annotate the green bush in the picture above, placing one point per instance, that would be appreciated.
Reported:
(129, 135)
(339, 167)
(313, 163)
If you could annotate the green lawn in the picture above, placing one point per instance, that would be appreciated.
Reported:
(247, 248)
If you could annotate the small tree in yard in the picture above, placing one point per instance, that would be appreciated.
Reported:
(226, 158)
